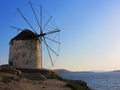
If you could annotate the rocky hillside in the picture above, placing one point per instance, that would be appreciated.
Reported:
(30, 79)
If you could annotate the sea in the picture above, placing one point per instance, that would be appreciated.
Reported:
(97, 80)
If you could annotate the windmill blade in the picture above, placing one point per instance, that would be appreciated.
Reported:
(52, 40)
(51, 32)
(34, 14)
(26, 20)
(41, 19)
(48, 51)
(49, 46)
(16, 28)
(47, 22)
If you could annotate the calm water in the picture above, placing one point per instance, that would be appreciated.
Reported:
(98, 81)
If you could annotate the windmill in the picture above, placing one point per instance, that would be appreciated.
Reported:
(26, 48)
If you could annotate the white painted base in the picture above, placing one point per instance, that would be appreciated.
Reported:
(25, 54)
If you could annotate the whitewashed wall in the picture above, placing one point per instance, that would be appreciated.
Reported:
(25, 54)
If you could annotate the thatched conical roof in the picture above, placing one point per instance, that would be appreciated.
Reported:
(25, 35)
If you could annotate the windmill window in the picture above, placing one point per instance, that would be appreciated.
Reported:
(10, 63)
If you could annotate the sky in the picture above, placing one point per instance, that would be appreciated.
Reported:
(90, 31)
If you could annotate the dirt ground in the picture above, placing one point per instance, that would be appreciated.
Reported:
(10, 81)
(49, 84)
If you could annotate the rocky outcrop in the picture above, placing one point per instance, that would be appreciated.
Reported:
(77, 84)
(12, 78)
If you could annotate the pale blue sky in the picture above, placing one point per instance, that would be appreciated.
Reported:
(90, 31)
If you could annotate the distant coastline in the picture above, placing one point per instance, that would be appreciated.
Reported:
(64, 71)
(116, 71)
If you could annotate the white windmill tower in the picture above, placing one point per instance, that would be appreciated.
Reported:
(26, 48)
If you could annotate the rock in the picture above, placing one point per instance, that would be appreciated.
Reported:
(6, 88)
(33, 76)
(10, 69)
(80, 83)
(8, 78)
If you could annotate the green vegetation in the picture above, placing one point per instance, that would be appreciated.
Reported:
(69, 83)
(75, 86)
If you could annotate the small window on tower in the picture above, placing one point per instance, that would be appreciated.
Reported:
(10, 63)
